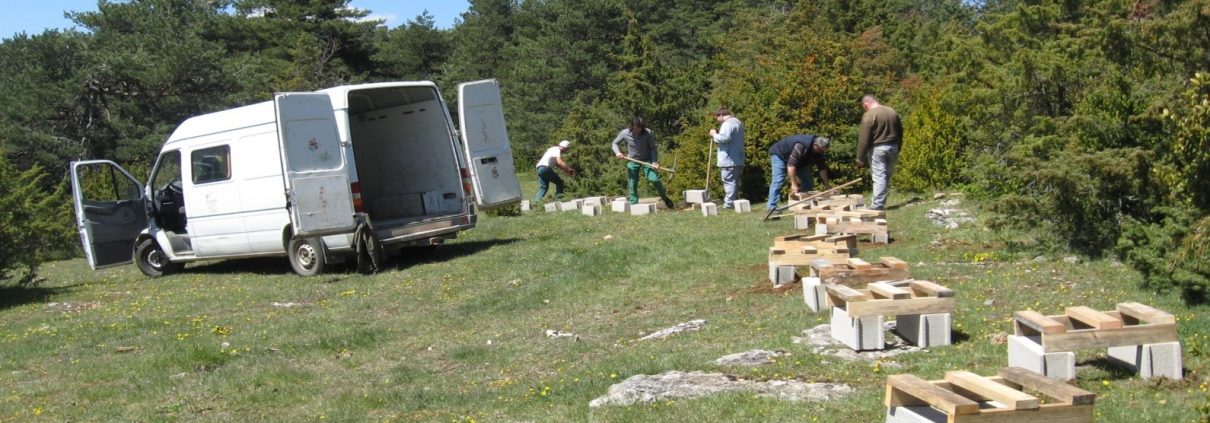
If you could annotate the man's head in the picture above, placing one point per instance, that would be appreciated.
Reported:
(868, 102)
(564, 144)
(637, 125)
(821, 145)
(722, 114)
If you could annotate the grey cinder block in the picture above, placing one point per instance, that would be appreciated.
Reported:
(709, 209)
(925, 330)
(743, 206)
(1151, 360)
(588, 201)
(1026, 352)
(802, 222)
(696, 196)
(814, 294)
(781, 274)
(591, 210)
(862, 333)
(573, 205)
(551, 207)
(525, 206)
(620, 206)
(642, 209)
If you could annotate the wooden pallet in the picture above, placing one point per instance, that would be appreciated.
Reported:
(852, 201)
(1083, 328)
(858, 272)
(892, 298)
(802, 249)
(965, 397)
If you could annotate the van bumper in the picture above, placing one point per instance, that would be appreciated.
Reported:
(422, 233)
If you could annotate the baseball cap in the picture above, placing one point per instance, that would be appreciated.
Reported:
(564, 143)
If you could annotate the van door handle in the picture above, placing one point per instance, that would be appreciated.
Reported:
(487, 160)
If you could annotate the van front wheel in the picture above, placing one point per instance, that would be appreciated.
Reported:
(307, 256)
(152, 261)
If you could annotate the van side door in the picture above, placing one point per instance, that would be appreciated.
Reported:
(110, 211)
(488, 154)
(318, 194)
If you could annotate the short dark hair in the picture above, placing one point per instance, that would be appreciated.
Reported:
(722, 111)
(638, 122)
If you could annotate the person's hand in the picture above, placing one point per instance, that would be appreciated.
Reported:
(655, 166)
(571, 172)
(860, 164)
(713, 132)
(619, 156)
(793, 188)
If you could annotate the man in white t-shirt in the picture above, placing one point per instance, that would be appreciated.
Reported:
(546, 175)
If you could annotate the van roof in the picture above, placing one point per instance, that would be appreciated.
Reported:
(262, 113)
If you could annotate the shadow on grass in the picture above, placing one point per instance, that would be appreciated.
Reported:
(412, 256)
(259, 266)
(1114, 370)
(905, 203)
(14, 295)
(958, 337)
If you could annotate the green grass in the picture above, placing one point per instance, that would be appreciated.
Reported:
(412, 343)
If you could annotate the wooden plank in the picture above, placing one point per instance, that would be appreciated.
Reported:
(893, 263)
(931, 289)
(885, 290)
(1146, 313)
(1037, 322)
(921, 305)
(858, 264)
(909, 390)
(1105, 338)
(1059, 391)
(1093, 318)
(1011, 398)
(1048, 413)
(847, 295)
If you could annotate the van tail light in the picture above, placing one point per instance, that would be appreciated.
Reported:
(357, 205)
(466, 182)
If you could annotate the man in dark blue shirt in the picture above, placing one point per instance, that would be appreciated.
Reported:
(796, 155)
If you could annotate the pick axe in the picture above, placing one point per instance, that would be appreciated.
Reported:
(672, 171)
(812, 197)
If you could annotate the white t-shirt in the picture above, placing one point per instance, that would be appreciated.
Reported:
(548, 159)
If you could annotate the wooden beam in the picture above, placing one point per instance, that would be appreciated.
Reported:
(858, 264)
(919, 305)
(842, 295)
(893, 263)
(1146, 313)
(885, 290)
(1053, 388)
(931, 289)
(909, 390)
(1037, 322)
(1011, 398)
(1093, 318)
(1105, 338)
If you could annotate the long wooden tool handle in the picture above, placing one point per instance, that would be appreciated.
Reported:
(817, 195)
(651, 165)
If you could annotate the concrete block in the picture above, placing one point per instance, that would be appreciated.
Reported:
(642, 209)
(743, 206)
(588, 201)
(814, 294)
(620, 206)
(916, 414)
(1151, 360)
(862, 333)
(925, 330)
(709, 209)
(551, 207)
(781, 274)
(1026, 352)
(821, 228)
(573, 205)
(802, 222)
(883, 238)
(525, 206)
(591, 210)
(696, 196)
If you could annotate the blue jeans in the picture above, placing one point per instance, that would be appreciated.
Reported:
(882, 166)
(546, 175)
(779, 178)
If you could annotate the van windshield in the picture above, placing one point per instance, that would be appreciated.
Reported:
(167, 170)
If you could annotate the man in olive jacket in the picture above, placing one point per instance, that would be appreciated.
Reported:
(878, 144)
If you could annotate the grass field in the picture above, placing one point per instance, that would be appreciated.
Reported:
(457, 333)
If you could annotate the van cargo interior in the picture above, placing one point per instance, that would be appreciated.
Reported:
(405, 157)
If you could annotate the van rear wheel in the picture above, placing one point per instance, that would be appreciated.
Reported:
(307, 256)
(152, 261)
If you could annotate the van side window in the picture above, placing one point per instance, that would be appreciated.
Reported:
(211, 164)
(104, 183)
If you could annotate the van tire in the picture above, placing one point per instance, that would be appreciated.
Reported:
(152, 261)
(307, 256)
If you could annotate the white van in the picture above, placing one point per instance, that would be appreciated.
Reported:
(318, 177)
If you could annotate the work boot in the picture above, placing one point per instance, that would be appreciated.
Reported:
(669, 203)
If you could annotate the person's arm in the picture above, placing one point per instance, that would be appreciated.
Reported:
(797, 154)
(864, 136)
(655, 149)
(823, 177)
(559, 162)
(723, 135)
(617, 152)
(793, 171)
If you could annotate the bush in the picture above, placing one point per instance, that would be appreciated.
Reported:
(1171, 253)
(35, 222)
(932, 145)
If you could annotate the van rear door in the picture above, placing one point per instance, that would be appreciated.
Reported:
(110, 211)
(317, 185)
(481, 120)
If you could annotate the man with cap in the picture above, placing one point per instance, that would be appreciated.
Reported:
(552, 158)
(796, 155)
(641, 146)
